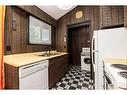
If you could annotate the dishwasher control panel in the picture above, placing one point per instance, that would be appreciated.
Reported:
(32, 68)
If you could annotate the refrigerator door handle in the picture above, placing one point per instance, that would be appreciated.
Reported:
(95, 51)
(92, 49)
(92, 43)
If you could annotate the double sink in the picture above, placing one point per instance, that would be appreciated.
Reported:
(49, 54)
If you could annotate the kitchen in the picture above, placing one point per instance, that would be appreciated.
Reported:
(71, 53)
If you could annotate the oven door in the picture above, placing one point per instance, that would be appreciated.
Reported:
(108, 84)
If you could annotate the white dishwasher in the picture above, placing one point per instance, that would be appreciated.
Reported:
(34, 76)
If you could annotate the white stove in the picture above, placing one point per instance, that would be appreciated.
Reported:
(117, 75)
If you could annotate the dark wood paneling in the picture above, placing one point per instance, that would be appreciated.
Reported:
(17, 39)
(57, 68)
(53, 38)
(29, 9)
(121, 14)
(16, 34)
(99, 16)
(107, 16)
(11, 77)
(61, 31)
(90, 13)
(125, 16)
(8, 30)
(115, 18)
(39, 13)
(95, 17)
(73, 15)
(78, 38)
(111, 15)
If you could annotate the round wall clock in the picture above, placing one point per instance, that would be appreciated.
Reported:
(79, 14)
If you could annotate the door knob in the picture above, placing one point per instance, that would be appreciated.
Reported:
(88, 41)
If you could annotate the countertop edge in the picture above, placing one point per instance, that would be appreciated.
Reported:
(43, 58)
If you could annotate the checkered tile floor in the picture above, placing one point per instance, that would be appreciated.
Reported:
(75, 79)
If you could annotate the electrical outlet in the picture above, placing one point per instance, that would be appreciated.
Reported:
(8, 48)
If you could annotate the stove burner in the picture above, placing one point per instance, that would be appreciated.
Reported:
(123, 74)
(120, 66)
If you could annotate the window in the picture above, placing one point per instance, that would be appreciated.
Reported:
(39, 31)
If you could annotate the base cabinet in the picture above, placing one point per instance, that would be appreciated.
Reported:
(11, 77)
(58, 67)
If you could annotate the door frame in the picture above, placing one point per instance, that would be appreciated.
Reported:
(77, 25)
(81, 24)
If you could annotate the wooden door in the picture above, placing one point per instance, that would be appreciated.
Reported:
(77, 39)
(84, 37)
(75, 47)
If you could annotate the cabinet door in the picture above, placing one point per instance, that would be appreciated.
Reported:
(125, 16)
(106, 16)
(52, 74)
(54, 71)
(111, 16)
(57, 69)
(11, 76)
(65, 69)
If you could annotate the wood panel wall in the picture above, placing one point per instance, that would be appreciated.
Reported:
(125, 16)
(16, 40)
(39, 13)
(99, 16)
(90, 13)
(93, 14)
(111, 15)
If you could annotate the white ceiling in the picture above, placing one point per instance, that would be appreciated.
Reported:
(54, 11)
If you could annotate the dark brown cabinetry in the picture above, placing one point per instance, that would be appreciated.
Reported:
(111, 16)
(11, 77)
(58, 66)
(125, 16)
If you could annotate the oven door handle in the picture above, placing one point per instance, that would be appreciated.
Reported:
(108, 79)
(123, 88)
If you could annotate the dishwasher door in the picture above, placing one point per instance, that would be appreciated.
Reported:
(34, 76)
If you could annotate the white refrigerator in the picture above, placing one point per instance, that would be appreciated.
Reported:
(107, 43)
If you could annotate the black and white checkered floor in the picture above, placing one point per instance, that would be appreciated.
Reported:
(75, 79)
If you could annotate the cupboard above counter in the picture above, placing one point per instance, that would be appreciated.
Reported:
(19, 60)
(111, 16)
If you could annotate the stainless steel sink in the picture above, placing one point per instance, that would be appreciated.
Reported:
(49, 54)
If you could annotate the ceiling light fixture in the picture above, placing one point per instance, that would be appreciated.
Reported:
(64, 7)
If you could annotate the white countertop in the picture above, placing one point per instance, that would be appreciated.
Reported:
(113, 72)
(27, 58)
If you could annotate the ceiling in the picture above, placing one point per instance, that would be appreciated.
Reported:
(54, 11)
